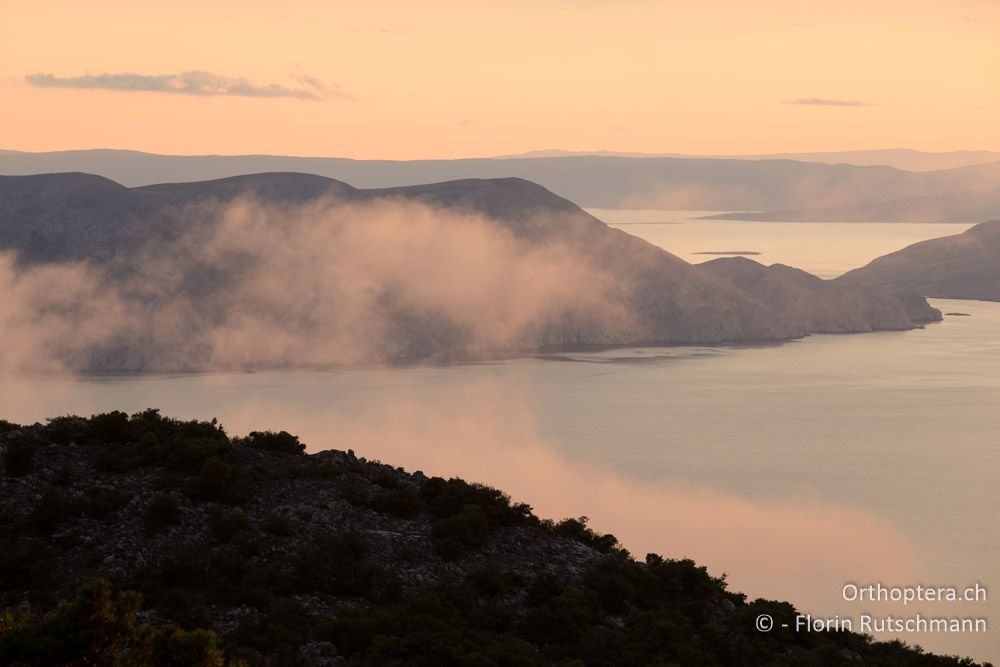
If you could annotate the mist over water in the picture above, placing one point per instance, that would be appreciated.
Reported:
(331, 282)
(794, 468)
(825, 249)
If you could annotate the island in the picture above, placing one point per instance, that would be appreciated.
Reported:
(295, 270)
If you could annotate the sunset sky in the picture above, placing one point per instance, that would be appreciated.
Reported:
(402, 79)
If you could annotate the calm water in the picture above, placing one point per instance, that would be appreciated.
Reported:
(826, 249)
(794, 468)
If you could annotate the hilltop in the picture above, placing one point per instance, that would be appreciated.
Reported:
(287, 269)
(279, 557)
(749, 183)
(963, 266)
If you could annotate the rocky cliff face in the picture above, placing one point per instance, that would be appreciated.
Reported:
(964, 266)
(329, 559)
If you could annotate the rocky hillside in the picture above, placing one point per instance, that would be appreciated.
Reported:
(821, 305)
(963, 266)
(279, 270)
(329, 559)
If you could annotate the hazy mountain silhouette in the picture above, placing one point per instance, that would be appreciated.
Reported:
(604, 181)
(900, 158)
(975, 206)
(819, 304)
(300, 248)
(964, 266)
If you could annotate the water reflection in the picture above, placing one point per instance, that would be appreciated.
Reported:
(793, 468)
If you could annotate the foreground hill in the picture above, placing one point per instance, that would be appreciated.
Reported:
(326, 559)
(964, 266)
(281, 270)
(974, 206)
(593, 181)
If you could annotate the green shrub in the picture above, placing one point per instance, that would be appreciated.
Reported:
(63, 476)
(111, 427)
(163, 511)
(25, 562)
(211, 482)
(6, 426)
(455, 535)
(71, 428)
(448, 497)
(278, 524)
(183, 454)
(340, 564)
(181, 570)
(402, 501)
(19, 457)
(54, 508)
(491, 581)
(99, 627)
(173, 647)
(269, 441)
(576, 529)
(101, 503)
(227, 525)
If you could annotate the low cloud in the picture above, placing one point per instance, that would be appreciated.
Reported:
(191, 83)
(826, 102)
(325, 284)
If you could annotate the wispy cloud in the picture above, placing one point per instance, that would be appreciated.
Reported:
(385, 31)
(827, 102)
(192, 83)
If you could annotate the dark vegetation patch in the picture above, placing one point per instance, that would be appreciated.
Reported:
(249, 548)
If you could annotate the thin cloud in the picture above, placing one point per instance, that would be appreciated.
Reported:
(385, 31)
(191, 83)
(827, 102)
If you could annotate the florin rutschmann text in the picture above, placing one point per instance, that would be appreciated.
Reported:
(877, 593)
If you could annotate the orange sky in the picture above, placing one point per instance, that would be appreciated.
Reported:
(442, 78)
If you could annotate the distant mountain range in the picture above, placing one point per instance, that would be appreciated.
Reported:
(290, 269)
(958, 207)
(964, 266)
(900, 158)
(602, 181)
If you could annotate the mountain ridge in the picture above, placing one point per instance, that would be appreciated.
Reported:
(593, 181)
(214, 258)
(957, 207)
(962, 266)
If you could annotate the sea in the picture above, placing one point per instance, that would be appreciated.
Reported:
(797, 470)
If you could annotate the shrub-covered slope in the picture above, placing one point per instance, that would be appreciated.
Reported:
(329, 559)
